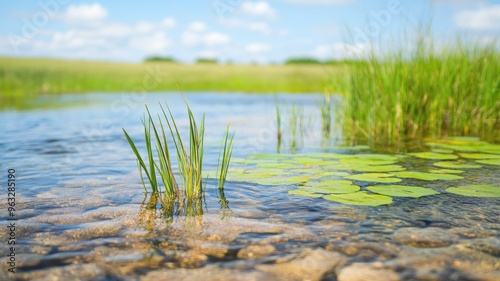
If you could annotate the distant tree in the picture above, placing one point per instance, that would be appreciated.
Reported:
(159, 59)
(302, 60)
(206, 60)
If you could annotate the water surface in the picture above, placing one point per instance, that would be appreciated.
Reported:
(81, 206)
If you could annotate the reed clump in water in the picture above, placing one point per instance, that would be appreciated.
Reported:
(425, 92)
(158, 160)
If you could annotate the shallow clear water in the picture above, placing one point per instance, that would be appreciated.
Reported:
(81, 215)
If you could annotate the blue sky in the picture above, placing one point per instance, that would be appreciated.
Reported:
(241, 31)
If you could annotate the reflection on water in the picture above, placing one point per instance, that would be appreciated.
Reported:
(82, 212)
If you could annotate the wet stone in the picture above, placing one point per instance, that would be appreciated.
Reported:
(69, 272)
(308, 265)
(490, 245)
(367, 249)
(367, 271)
(207, 273)
(255, 251)
(429, 237)
(191, 259)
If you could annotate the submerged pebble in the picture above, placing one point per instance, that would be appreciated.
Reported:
(429, 237)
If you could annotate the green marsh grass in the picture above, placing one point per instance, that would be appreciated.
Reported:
(426, 92)
(225, 153)
(158, 163)
(279, 133)
(326, 115)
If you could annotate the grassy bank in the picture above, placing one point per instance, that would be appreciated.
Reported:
(20, 78)
(454, 91)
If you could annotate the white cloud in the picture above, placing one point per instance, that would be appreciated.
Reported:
(257, 48)
(256, 26)
(190, 38)
(341, 51)
(107, 41)
(168, 22)
(215, 38)
(197, 26)
(207, 54)
(321, 2)
(461, 3)
(152, 44)
(85, 14)
(486, 18)
(260, 8)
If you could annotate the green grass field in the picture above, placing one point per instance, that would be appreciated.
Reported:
(401, 95)
(21, 78)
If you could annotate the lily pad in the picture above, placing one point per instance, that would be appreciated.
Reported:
(268, 156)
(490, 148)
(276, 165)
(309, 161)
(282, 180)
(369, 168)
(453, 147)
(463, 139)
(360, 198)
(479, 156)
(381, 157)
(434, 156)
(442, 150)
(426, 176)
(477, 190)
(335, 174)
(330, 186)
(456, 165)
(370, 162)
(374, 177)
(489, 162)
(445, 171)
(402, 190)
(304, 193)
(327, 155)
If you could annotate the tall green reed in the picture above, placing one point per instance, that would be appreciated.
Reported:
(158, 161)
(425, 92)
(225, 153)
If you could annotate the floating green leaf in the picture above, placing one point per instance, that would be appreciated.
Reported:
(268, 156)
(369, 168)
(479, 156)
(445, 171)
(380, 157)
(276, 165)
(476, 190)
(464, 139)
(330, 186)
(401, 190)
(326, 155)
(302, 192)
(336, 174)
(452, 147)
(309, 161)
(361, 161)
(374, 177)
(426, 176)
(360, 198)
(456, 165)
(433, 155)
(490, 148)
(442, 150)
(489, 162)
(282, 180)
